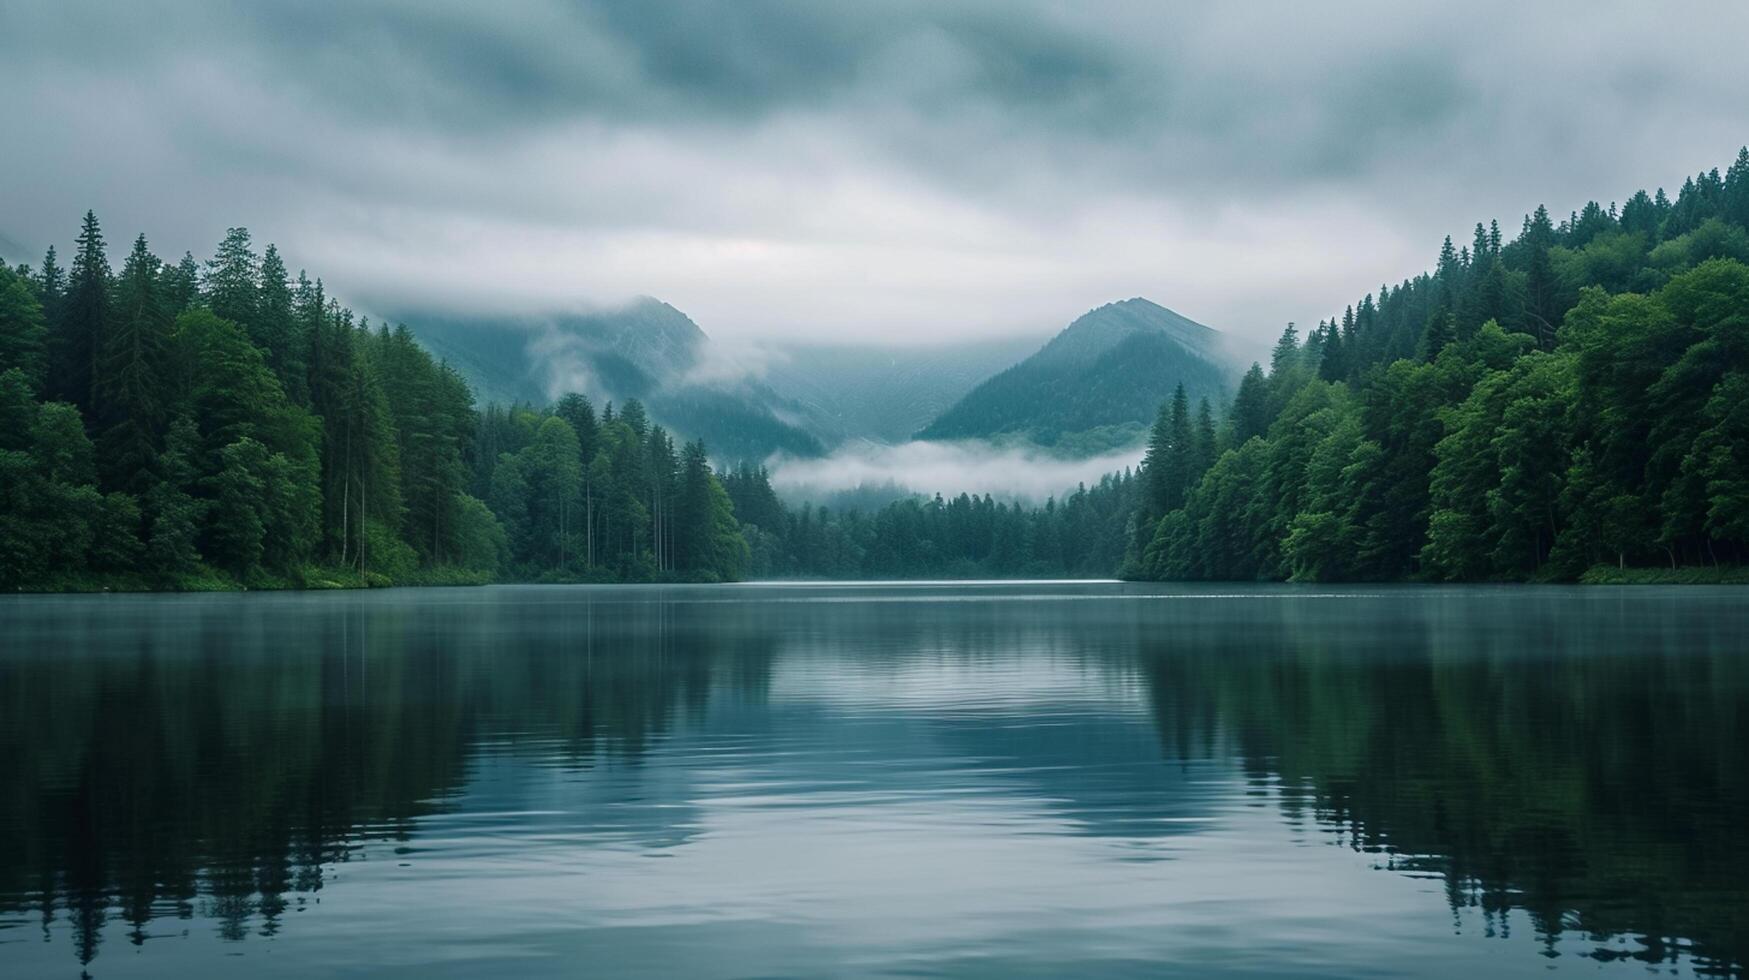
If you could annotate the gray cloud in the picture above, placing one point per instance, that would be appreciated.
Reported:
(904, 171)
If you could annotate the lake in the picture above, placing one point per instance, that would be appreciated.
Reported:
(959, 780)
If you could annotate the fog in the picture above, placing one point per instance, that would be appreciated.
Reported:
(949, 468)
(908, 172)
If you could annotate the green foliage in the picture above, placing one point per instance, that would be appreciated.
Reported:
(1083, 535)
(1108, 369)
(235, 537)
(481, 544)
(252, 432)
(174, 515)
(1572, 399)
(133, 360)
(1691, 575)
(23, 329)
(50, 510)
(1610, 425)
(80, 315)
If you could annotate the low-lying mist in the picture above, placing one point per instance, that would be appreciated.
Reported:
(1026, 473)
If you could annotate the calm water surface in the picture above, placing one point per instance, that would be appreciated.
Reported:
(1024, 779)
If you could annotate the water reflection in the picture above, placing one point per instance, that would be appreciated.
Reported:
(758, 780)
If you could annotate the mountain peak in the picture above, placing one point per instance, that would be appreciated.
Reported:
(1099, 330)
(1095, 384)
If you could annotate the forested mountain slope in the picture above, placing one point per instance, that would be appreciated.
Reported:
(1096, 384)
(225, 425)
(1570, 403)
(1573, 399)
(646, 350)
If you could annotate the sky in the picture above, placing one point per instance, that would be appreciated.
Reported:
(911, 171)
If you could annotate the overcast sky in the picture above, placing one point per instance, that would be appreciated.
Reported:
(889, 172)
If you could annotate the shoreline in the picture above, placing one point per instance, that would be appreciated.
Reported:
(457, 578)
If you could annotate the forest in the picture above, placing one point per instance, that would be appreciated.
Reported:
(1081, 536)
(224, 425)
(1573, 403)
(1570, 404)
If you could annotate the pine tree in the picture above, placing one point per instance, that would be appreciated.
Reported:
(1153, 466)
(132, 360)
(1250, 416)
(1438, 333)
(232, 275)
(577, 410)
(77, 335)
(181, 285)
(23, 331)
(1333, 366)
(50, 284)
(1180, 463)
(1205, 441)
(1540, 316)
(1734, 206)
(277, 330)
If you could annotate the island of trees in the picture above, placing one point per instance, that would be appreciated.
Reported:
(1572, 403)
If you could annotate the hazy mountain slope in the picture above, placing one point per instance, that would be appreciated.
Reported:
(646, 350)
(13, 253)
(886, 394)
(1098, 383)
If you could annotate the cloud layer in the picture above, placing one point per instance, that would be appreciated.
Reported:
(949, 468)
(899, 172)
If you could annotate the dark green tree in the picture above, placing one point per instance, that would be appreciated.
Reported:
(1250, 416)
(133, 391)
(232, 284)
(23, 330)
(77, 335)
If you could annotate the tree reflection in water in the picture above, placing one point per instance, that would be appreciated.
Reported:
(1577, 755)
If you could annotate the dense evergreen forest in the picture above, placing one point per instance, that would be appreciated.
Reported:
(180, 425)
(1572, 402)
(1569, 402)
(1081, 536)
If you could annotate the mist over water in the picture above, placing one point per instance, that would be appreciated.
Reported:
(949, 780)
(1026, 473)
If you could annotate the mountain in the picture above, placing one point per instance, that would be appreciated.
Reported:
(886, 394)
(646, 350)
(11, 252)
(1096, 385)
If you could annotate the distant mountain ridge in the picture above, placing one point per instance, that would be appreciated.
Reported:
(886, 394)
(646, 350)
(1092, 387)
(1095, 385)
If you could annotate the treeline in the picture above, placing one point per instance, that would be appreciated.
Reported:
(605, 498)
(1081, 536)
(1576, 397)
(222, 424)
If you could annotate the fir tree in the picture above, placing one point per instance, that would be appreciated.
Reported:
(23, 331)
(132, 358)
(77, 335)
